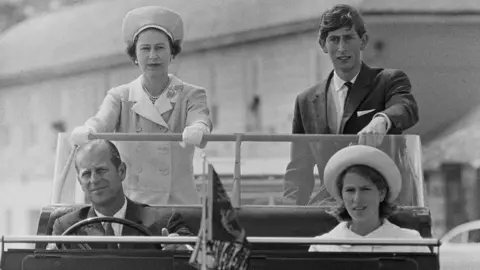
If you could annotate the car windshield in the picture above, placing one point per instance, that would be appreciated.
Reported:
(257, 164)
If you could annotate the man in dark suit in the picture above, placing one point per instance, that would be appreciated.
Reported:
(354, 99)
(101, 172)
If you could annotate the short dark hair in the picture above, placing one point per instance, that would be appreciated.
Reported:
(175, 47)
(340, 16)
(386, 208)
(115, 157)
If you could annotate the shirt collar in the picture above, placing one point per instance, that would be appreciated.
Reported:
(120, 213)
(338, 82)
(378, 231)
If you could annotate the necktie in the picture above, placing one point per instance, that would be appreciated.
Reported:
(344, 103)
(109, 232)
(349, 87)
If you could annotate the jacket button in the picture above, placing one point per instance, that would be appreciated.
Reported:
(163, 129)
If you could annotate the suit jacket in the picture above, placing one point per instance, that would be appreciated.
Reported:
(139, 213)
(380, 90)
(159, 172)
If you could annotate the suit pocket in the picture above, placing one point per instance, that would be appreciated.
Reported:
(362, 113)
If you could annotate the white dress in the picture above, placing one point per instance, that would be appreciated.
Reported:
(387, 230)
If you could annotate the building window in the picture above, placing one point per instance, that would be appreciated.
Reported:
(8, 221)
(34, 217)
(254, 118)
(2, 112)
(33, 134)
(30, 135)
(253, 76)
(212, 94)
(214, 113)
(57, 127)
(4, 136)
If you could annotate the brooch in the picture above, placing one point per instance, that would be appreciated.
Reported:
(172, 91)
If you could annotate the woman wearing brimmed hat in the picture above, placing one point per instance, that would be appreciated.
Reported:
(365, 182)
(155, 102)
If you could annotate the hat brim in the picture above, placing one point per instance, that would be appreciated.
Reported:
(148, 26)
(362, 155)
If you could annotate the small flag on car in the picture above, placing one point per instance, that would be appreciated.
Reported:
(222, 243)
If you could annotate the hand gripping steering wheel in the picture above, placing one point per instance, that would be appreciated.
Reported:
(140, 228)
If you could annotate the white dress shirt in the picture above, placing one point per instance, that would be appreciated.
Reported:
(117, 228)
(339, 93)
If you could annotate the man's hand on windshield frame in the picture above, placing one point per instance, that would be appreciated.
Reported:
(174, 246)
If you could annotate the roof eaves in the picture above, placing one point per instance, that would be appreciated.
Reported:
(189, 46)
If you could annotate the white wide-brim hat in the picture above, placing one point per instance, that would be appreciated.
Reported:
(362, 155)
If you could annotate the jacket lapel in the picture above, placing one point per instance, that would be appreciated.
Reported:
(167, 100)
(320, 124)
(358, 93)
(95, 229)
(143, 106)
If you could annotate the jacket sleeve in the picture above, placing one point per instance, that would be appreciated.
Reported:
(197, 108)
(198, 111)
(108, 115)
(400, 104)
(58, 229)
(176, 224)
(299, 179)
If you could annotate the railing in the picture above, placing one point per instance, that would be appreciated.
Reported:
(193, 239)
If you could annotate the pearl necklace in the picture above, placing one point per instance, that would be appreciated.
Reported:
(153, 99)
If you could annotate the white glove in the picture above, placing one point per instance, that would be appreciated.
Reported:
(193, 134)
(79, 135)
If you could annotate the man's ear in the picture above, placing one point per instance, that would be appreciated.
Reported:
(80, 182)
(122, 170)
(322, 45)
(364, 41)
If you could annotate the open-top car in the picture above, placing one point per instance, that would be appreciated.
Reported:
(279, 232)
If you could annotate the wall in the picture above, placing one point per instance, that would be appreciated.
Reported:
(439, 57)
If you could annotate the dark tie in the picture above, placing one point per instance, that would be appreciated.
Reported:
(349, 87)
(344, 118)
(109, 232)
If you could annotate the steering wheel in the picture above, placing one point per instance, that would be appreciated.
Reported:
(140, 228)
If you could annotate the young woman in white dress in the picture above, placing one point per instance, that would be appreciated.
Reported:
(364, 181)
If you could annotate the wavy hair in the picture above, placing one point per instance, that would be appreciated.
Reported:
(338, 17)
